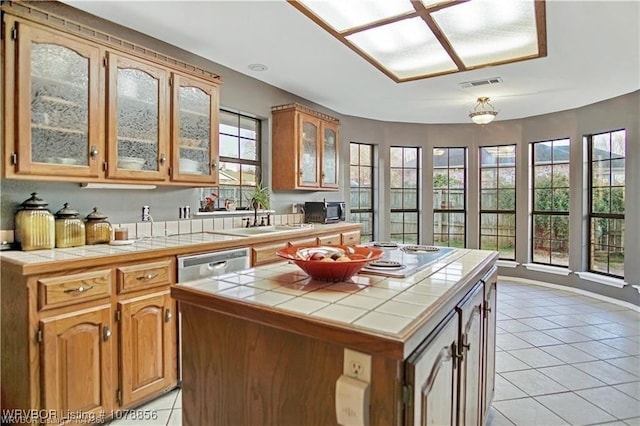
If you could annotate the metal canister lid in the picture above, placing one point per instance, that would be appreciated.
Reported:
(96, 215)
(34, 203)
(66, 212)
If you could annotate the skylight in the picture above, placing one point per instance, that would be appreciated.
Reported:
(415, 39)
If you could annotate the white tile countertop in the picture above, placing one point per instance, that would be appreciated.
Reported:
(389, 307)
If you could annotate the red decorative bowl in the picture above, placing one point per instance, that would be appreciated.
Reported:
(349, 260)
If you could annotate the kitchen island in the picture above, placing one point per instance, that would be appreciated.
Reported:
(266, 346)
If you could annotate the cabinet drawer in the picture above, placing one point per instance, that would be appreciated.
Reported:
(332, 239)
(352, 237)
(263, 254)
(136, 277)
(55, 292)
(309, 241)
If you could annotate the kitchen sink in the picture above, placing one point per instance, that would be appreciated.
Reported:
(261, 230)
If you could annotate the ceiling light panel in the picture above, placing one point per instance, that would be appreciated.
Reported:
(490, 31)
(405, 48)
(342, 15)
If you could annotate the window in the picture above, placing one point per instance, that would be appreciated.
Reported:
(550, 192)
(239, 160)
(606, 202)
(449, 196)
(405, 176)
(498, 200)
(362, 190)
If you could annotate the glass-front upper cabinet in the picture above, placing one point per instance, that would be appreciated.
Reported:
(195, 130)
(57, 120)
(329, 155)
(137, 119)
(308, 162)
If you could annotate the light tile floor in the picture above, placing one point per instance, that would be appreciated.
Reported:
(562, 359)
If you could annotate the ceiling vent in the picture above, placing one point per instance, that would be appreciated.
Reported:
(485, 82)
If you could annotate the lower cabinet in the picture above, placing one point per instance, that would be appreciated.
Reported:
(76, 355)
(432, 373)
(147, 341)
(451, 376)
(79, 345)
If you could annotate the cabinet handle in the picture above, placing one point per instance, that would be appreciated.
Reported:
(300, 172)
(106, 333)
(80, 289)
(163, 159)
(214, 164)
(167, 315)
(147, 277)
(93, 152)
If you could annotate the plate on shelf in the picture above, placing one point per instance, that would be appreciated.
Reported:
(121, 242)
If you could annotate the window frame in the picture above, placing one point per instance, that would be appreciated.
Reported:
(464, 194)
(550, 213)
(590, 214)
(370, 211)
(241, 202)
(497, 211)
(403, 210)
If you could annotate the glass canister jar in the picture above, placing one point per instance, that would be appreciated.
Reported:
(98, 230)
(34, 225)
(69, 228)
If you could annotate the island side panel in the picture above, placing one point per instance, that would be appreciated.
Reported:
(237, 372)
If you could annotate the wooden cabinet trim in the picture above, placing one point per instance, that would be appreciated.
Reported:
(55, 292)
(33, 13)
(144, 275)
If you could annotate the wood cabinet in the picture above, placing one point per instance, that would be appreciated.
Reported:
(77, 361)
(90, 339)
(312, 137)
(470, 355)
(489, 342)
(147, 346)
(80, 109)
(194, 140)
(433, 371)
(53, 120)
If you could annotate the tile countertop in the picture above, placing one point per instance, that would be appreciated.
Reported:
(59, 259)
(393, 309)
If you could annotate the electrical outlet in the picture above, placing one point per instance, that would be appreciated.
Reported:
(357, 365)
(294, 208)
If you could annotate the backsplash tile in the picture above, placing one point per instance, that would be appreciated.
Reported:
(158, 229)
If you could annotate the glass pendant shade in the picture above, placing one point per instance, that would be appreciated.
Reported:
(483, 112)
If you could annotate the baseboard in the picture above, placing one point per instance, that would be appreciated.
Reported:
(573, 290)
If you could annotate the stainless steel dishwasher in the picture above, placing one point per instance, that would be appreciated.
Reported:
(205, 265)
(197, 266)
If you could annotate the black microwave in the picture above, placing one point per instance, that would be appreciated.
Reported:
(324, 211)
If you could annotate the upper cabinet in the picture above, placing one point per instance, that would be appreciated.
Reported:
(86, 107)
(138, 119)
(55, 120)
(195, 130)
(312, 138)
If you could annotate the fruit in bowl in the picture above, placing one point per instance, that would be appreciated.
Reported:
(331, 263)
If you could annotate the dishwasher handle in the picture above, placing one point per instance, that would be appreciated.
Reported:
(217, 265)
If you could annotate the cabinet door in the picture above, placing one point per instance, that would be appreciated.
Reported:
(195, 130)
(471, 356)
(148, 360)
(77, 361)
(329, 155)
(489, 343)
(137, 119)
(309, 151)
(432, 374)
(57, 114)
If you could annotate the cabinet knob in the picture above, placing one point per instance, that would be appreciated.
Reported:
(80, 289)
(106, 333)
(93, 152)
(214, 164)
(147, 277)
(163, 159)
(167, 315)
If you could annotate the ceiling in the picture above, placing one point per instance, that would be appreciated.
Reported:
(593, 53)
